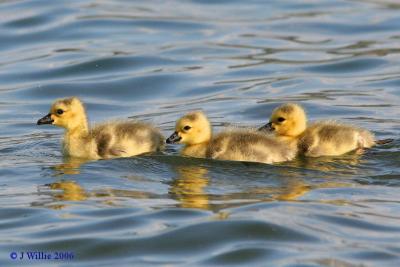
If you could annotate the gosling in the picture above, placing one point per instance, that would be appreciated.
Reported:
(325, 138)
(195, 132)
(106, 140)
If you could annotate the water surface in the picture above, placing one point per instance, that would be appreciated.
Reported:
(236, 60)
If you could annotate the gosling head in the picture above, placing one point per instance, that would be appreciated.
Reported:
(193, 128)
(287, 120)
(68, 113)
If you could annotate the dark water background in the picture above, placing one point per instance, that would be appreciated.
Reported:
(237, 60)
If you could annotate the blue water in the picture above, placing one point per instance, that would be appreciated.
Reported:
(236, 60)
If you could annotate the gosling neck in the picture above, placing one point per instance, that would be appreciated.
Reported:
(199, 147)
(290, 140)
(75, 140)
(205, 143)
(196, 150)
(79, 129)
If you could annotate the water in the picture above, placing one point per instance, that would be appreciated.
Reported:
(237, 60)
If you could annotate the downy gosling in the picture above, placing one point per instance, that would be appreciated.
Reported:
(325, 138)
(106, 140)
(195, 132)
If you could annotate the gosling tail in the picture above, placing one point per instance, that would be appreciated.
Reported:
(384, 141)
(365, 139)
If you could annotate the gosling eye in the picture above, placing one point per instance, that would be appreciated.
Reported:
(187, 128)
(60, 111)
(280, 119)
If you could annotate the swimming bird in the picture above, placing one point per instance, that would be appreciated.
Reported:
(107, 140)
(195, 132)
(324, 138)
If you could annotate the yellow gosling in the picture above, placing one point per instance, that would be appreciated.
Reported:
(325, 138)
(106, 140)
(194, 131)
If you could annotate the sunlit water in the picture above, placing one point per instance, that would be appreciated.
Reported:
(237, 60)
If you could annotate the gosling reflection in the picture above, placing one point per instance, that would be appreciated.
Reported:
(189, 187)
(289, 187)
(285, 182)
(293, 190)
(61, 192)
(342, 164)
(69, 166)
(69, 191)
(292, 185)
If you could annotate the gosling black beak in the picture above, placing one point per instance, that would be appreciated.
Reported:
(45, 120)
(174, 138)
(267, 127)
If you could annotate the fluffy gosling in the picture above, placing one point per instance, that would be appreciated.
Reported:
(195, 132)
(106, 140)
(325, 138)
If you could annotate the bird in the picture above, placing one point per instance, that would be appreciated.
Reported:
(195, 132)
(111, 139)
(323, 138)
